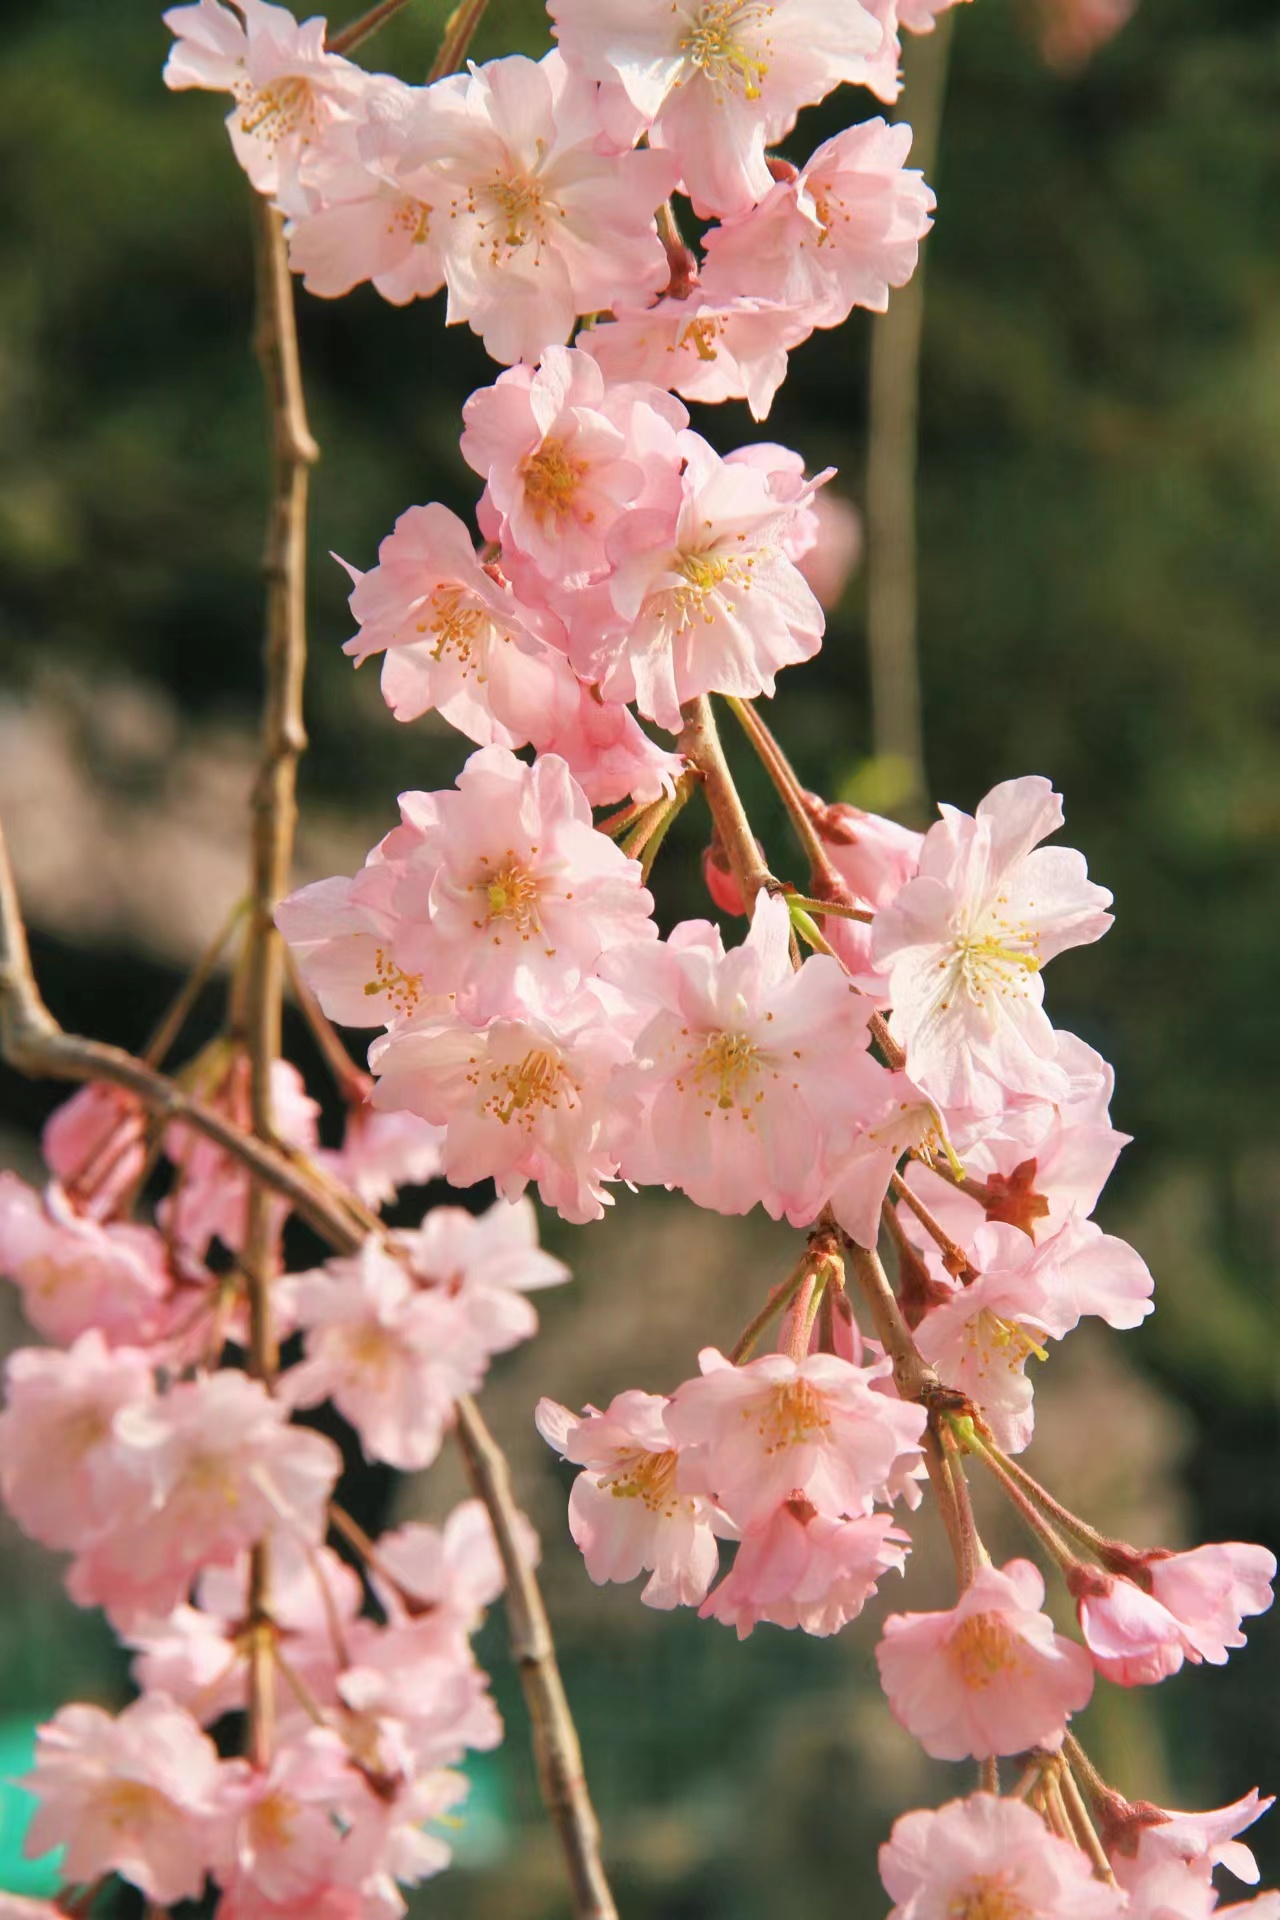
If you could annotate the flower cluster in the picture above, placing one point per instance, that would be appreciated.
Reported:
(901, 1083)
(139, 1445)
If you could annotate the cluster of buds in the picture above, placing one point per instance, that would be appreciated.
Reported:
(899, 1083)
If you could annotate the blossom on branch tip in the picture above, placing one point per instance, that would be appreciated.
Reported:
(74, 1273)
(750, 1075)
(964, 943)
(801, 1568)
(989, 1675)
(714, 81)
(705, 346)
(1188, 1607)
(989, 1859)
(751, 1437)
(136, 1795)
(627, 1513)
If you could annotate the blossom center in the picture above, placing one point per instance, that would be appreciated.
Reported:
(989, 963)
(983, 1648)
(551, 479)
(274, 112)
(1001, 1339)
(706, 573)
(413, 217)
(727, 1064)
(455, 623)
(131, 1803)
(988, 1898)
(721, 43)
(701, 334)
(403, 990)
(791, 1416)
(644, 1476)
(517, 208)
(512, 893)
(523, 1091)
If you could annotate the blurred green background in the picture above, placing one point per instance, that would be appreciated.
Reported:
(1099, 500)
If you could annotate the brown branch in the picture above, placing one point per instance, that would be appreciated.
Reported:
(458, 31)
(700, 744)
(564, 1786)
(348, 38)
(914, 1378)
(274, 812)
(825, 879)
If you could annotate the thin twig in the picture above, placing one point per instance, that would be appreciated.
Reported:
(347, 38)
(790, 792)
(954, 1257)
(564, 1786)
(458, 31)
(1085, 1831)
(177, 1014)
(914, 1378)
(700, 745)
(274, 811)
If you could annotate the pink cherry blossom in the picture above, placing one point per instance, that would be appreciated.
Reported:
(805, 1569)
(423, 1696)
(1188, 1606)
(456, 639)
(379, 217)
(281, 1841)
(297, 106)
(392, 1357)
(382, 1152)
(511, 895)
(838, 236)
(135, 1795)
(982, 1336)
(989, 1675)
(488, 1263)
(963, 945)
(606, 750)
(1210, 1589)
(707, 602)
(900, 1120)
(717, 80)
(64, 1478)
(704, 345)
(210, 1195)
(542, 225)
(748, 1072)
(989, 1857)
(220, 1467)
(95, 1146)
(74, 1274)
(447, 1574)
(520, 1100)
(1144, 1836)
(563, 454)
(626, 1512)
(752, 1436)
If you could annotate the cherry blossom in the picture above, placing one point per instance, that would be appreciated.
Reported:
(1189, 1606)
(64, 1479)
(95, 1146)
(487, 1263)
(448, 1574)
(981, 1337)
(990, 1859)
(704, 345)
(563, 454)
(747, 1070)
(135, 1795)
(297, 105)
(1138, 1838)
(219, 1466)
(805, 1569)
(704, 602)
(456, 639)
(392, 1357)
(750, 1437)
(715, 80)
(281, 1842)
(511, 896)
(626, 1512)
(74, 1273)
(520, 1100)
(963, 945)
(543, 226)
(210, 1197)
(989, 1675)
(838, 236)
(382, 1152)
(606, 749)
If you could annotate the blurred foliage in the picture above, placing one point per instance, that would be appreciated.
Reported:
(1100, 498)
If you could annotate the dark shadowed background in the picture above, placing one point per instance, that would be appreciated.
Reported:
(1100, 505)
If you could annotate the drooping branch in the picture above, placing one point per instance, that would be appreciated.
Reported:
(555, 1739)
